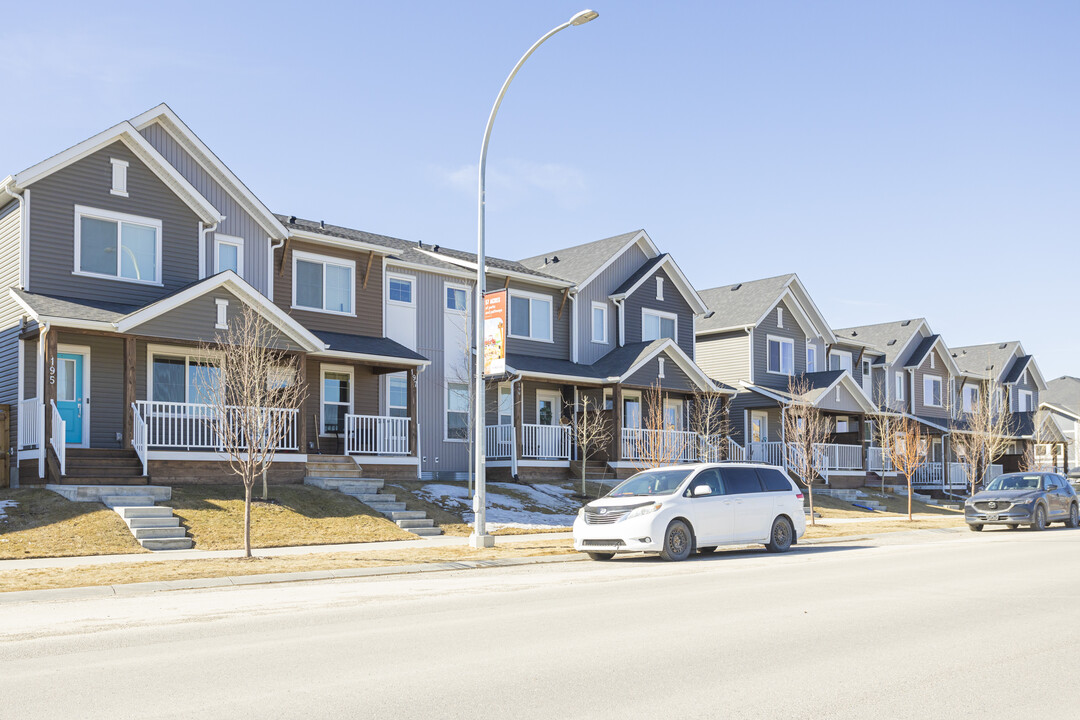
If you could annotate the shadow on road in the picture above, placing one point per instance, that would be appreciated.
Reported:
(726, 553)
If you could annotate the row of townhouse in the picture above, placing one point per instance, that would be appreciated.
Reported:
(128, 253)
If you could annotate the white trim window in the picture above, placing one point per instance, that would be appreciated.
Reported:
(119, 177)
(336, 398)
(457, 298)
(397, 395)
(176, 376)
(657, 324)
(631, 410)
(506, 405)
(323, 284)
(840, 360)
(932, 391)
(530, 316)
(117, 246)
(400, 289)
(899, 385)
(457, 412)
(1023, 401)
(811, 356)
(780, 355)
(229, 254)
(971, 397)
(599, 323)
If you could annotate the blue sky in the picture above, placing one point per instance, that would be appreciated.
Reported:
(906, 159)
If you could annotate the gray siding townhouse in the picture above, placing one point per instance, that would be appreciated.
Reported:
(124, 256)
(767, 339)
(1059, 405)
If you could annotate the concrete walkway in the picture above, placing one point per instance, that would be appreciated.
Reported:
(167, 555)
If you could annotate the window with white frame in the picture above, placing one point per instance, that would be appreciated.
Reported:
(506, 405)
(971, 397)
(899, 386)
(399, 289)
(599, 323)
(176, 377)
(609, 397)
(118, 246)
(228, 254)
(781, 355)
(659, 288)
(1023, 401)
(119, 177)
(530, 316)
(811, 356)
(656, 325)
(457, 298)
(840, 360)
(457, 411)
(931, 391)
(337, 398)
(397, 395)
(323, 284)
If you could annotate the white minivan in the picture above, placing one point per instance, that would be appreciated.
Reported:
(675, 510)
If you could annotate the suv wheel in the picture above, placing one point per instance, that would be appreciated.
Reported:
(781, 536)
(678, 541)
(975, 526)
(600, 556)
(1039, 518)
(1074, 517)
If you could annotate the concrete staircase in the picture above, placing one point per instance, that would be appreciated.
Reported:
(853, 496)
(342, 474)
(596, 470)
(103, 467)
(154, 526)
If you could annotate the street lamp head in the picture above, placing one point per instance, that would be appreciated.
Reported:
(583, 17)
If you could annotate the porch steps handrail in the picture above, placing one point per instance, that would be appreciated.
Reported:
(770, 453)
(376, 435)
(58, 440)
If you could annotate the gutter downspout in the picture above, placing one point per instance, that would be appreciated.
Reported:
(513, 440)
(24, 230)
(270, 273)
(419, 455)
(43, 454)
(203, 230)
(622, 321)
(573, 327)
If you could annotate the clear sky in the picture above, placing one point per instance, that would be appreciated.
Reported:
(906, 159)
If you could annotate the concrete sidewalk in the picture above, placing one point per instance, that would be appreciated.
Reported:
(168, 555)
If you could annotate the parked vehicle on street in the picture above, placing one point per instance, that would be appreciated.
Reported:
(1035, 498)
(675, 510)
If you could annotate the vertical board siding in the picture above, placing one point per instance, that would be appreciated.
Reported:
(368, 300)
(725, 356)
(645, 298)
(791, 330)
(560, 348)
(87, 182)
(238, 222)
(10, 313)
(598, 291)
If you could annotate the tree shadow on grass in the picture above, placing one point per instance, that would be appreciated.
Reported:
(305, 500)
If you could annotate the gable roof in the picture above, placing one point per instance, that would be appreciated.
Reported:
(745, 305)
(1064, 392)
(126, 133)
(49, 308)
(925, 347)
(980, 360)
(890, 338)
(219, 171)
(648, 269)
(819, 385)
(581, 263)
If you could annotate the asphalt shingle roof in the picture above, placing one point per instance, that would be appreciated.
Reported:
(367, 345)
(578, 262)
(641, 272)
(1063, 392)
(921, 351)
(889, 338)
(740, 304)
(614, 364)
(980, 359)
(75, 308)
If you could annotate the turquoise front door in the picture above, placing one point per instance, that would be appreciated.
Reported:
(69, 395)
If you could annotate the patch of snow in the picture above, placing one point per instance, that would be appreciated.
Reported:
(6, 504)
(555, 509)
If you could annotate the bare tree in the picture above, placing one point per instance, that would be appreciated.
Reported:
(884, 434)
(805, 428)
(657, 444)
(254, 398)
(709, 419)
(591, 430)
(981, 429)
(907, 450)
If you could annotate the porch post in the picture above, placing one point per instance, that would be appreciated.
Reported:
(519, 418)
(49, 395)
(617, 408)
(129, 391)
(1065, 457)
(301, 415)
(410, 401)
(945, 468)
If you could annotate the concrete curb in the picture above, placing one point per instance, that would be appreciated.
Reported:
(148, 588)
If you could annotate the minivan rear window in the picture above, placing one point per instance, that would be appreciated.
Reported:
(773, 480)
(738, 480)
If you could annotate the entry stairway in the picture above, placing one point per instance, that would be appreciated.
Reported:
(341, 473)
(153, 526)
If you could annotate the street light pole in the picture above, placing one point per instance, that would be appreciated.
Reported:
(480, 537)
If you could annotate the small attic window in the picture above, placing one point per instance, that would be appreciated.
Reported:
(780, 317)
(119, 177)
(659, 288)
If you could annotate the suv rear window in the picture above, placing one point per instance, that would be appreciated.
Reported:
(774, 480)
(740, 480)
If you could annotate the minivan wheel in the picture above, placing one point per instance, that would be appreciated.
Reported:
(1039, 519)
(678, 541)
(601, 556)
(1074, 517)
(781, 536)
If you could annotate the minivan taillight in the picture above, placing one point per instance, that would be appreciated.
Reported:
(798, 496)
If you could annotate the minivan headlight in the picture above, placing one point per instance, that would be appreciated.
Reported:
(644, 510)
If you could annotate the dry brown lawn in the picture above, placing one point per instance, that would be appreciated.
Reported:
(893, 524)
(124, 573)
(829, 507)
(44, 524)
(303, 515)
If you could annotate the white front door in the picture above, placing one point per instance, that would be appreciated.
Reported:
(673, 414)
(759, 426)
(547, 408)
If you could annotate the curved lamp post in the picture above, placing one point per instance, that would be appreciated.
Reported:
(479, 537)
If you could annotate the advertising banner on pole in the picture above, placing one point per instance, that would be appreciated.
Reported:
(495, 332)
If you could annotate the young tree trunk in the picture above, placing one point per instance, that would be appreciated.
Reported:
(266, 491)
(909, 497)
(584, 464)
(810, 493)
(247, 517)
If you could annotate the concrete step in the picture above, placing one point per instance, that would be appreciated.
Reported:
(346, 474)
(407, 515)
(371, 497)
(184, 543)
(386, 507)
(147, 533)
(153, 522)
(127, 500)
(426, 531)
(336, 483)
(95, 492)
(144, 512)
(322, 465)
(418, 523)
(360, 487)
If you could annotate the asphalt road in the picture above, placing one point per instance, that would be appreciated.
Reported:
(932, 625)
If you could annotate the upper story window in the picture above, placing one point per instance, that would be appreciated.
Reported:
(114, 245)
(530, 316)
(599, 322)
(971, 397)
(659, 288)
(1023, 401)
(323, 284)
(781, 356)
(656, 325)
(228, 254)
(457, 298)
(866, 368)
(811, 356)
(399, 289)
(931, 391)
(840, 360)
(119, 177)
(899, 386)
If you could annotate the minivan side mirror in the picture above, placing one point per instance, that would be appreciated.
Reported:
(700, 490)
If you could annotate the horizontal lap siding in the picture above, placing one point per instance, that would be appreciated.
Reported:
(106, 394)
(674, 377)
(238, 222)
(645, 298)
(368, 300)
(196, 319)
(1014, 400)
(365, 392)
(737, 408)
(598, 291)
(10, 313)
(942, 371)
(87, 182)
(725, 356)
(560, 348)
(791, 330)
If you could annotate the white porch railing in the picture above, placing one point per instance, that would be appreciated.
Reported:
(833, 456)
(190, 426)
(995, 470)
(58, 440)
(959, 475)
(29, 420)
(715, 448)
(664, 445)
(376, 435)
(878, 461)
(498, 442)
(547, 442)
(771, 453)
(138, 435)
(929, 474)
